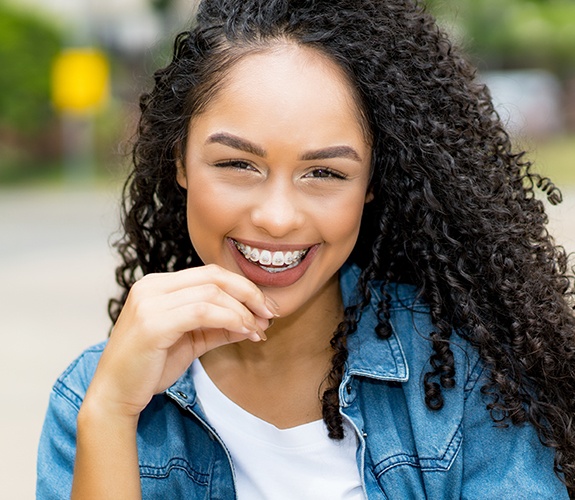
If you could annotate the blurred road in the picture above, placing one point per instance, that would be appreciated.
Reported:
(56, 275)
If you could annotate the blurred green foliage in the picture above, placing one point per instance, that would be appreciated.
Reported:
(161, 5)
(28, 45)
(554, 158)
(503, 34)
(497, 34)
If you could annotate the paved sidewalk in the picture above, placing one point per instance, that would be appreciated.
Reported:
(56, 275)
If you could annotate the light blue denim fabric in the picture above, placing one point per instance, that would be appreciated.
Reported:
(405, 451)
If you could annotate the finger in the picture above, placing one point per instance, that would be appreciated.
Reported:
(214, 294)
(169, 326)
(209, 292)
(244, 291)
(234, 284)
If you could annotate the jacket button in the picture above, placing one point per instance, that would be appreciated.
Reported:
(183, 395)
(348, 389)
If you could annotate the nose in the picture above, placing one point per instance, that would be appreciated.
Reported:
(277, 209)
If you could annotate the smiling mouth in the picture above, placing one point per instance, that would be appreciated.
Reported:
(272, 262)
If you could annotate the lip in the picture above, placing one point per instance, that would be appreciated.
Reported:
(259, 276)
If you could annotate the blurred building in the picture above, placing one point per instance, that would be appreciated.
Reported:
(530, 102)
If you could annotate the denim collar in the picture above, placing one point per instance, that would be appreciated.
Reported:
(369, 355)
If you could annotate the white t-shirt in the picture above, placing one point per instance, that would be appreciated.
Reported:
(280, 464)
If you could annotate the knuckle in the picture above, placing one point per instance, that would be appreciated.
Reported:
(258, 294)
(147, 328)
(147, 278)
(211, 291)
(215, 270)
(201, 310)
(141, 308)
(138, 290)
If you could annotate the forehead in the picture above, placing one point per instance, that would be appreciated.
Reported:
(292, 63)
(285, 86)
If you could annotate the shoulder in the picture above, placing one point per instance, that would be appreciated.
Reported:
(74, 381)
(57, 446)
(405, 355)
(428, 441)
(411, 322)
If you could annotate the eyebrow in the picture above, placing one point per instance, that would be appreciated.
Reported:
(240, 144)
(332, 152)
(236, 142)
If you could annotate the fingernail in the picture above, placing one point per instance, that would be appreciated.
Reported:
(262, 335)
(246, 330)
(255, 337)
(249, 327)
(262, 323)
(272, 307)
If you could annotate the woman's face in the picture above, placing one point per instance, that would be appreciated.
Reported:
(277, 171)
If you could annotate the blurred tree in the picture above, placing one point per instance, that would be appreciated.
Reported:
(28, 45)
(514, 33)
(162, 5)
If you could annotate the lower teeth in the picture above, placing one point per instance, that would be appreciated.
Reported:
(278, 269)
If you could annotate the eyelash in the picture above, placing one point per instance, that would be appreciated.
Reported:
(326, 173)
(235, 164)
(317, 173)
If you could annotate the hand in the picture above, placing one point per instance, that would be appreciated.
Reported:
(169, 320)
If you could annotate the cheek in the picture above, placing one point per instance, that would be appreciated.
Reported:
(204, 216)
(203, 199)
(211, 213)
(342, 221)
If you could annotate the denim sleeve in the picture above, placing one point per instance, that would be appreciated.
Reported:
(504, 462)
(57, 448)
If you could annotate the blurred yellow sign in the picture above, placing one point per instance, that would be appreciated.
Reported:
(80, 80)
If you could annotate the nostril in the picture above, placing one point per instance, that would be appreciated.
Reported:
(277, 219)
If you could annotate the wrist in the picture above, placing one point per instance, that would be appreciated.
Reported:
(106, 464)
(104, 412)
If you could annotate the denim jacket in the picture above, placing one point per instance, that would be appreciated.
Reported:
(405, 451)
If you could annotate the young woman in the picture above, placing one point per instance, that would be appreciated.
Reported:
(338, 281)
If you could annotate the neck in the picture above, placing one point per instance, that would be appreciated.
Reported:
(305, 333)
(281, 380)
(299, 338)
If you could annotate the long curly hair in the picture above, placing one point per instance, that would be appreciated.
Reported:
(454, 213)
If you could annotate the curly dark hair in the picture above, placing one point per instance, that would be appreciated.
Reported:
(454, 213)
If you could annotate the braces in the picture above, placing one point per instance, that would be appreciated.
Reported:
(282, 261)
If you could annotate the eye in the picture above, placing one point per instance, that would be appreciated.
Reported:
(325, 173)
(235, 164)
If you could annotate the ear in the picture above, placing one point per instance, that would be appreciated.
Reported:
(181, 174)
(369, 196)
(181, 177)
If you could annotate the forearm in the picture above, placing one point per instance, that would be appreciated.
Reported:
(168, 320)
(106, 465)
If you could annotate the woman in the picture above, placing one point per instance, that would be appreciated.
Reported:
(338, 282)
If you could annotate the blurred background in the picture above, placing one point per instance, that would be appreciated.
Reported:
(70, 75)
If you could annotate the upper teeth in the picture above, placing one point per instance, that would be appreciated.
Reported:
(266, 257)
